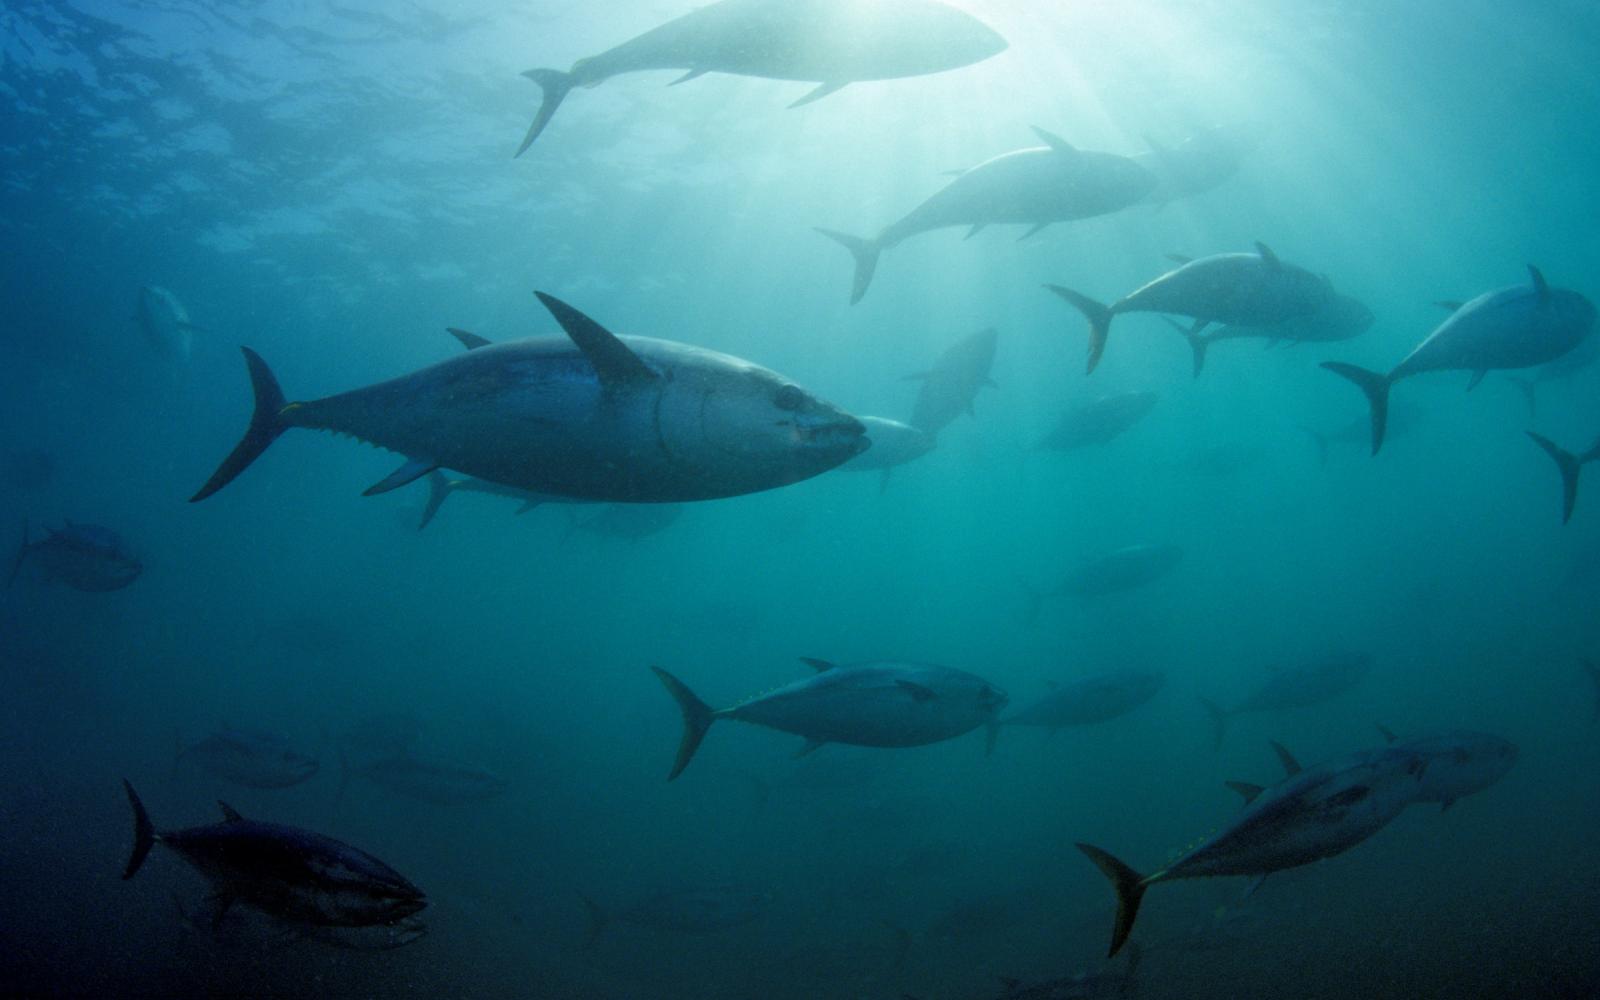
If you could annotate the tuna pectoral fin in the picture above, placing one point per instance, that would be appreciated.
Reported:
(1247, 789)
(818, 94)
(1130, 887)
(1568, 465)
(266, 423)
(1376, 386)
(439, 489)
(555, 85)
(697, 718)
(598, 918)
(144, 833)
(1219, 722)
(1098, 315)
(413, 470)
(865, 253)
(1291, 767)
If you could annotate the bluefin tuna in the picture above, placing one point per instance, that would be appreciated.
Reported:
(1316, 813)
(1035, 187)
(950, 386)
(592, 416)
(1340, 318)
(831, 43)
(85, 557)
(1520, 326)
(1123, 569)
(1084, 702)
(286, 872)
(249, 758)
(1199, 163)
(697, 910)
(1099, 421)
(879, 703)
(1456, 763)
(427, 779)
(1302, 686)
(165, 323)
(1244, 289)
(1569, 465)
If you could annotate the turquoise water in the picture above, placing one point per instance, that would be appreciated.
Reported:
(333, 187)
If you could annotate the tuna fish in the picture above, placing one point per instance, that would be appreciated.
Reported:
(1569, 465)
(950, 386)
(1316, 813)
(427, 779)
(1086, 701)
(1570, 364)
(1099, 421)
(1341, 318)
(249, 758)
(874, 704)
(699, 910)
(1517, 327)
(165, 323)
(595, 417)
(1243, 289)
(1457, 764)
(831, 43)
(1298, 687)
(84, 557)
(1123, 569)
(1035, 187)
(285, 872)
(1199, 163)
(893, 443)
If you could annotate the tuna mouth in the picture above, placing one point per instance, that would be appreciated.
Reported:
(847, 433)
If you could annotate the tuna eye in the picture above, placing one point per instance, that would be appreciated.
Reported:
(789, 398)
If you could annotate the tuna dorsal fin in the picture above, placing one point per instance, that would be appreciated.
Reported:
(1055, 142)
(614, 363)
(1538, 283)
(818, 665)
(1267, 256)
(1450, 305)
(411, 471)
(1388, 735)
(469, 340)
(1247, 789)
(229, 813)
(917, 691)
(1291, 767)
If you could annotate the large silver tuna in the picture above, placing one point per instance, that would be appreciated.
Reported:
(1199, 163)
(1302, 686)
(1316, 813)
(1340, 318)
(831, 43)
(1458, 763)
(1516, 327)
(1084, 702)
(875, 704)
(1247, 289)
(285, 872)
(250, 758)
(1034, 187)
(1099, 421)
(85, 557)
(950, 386)
(596, 417)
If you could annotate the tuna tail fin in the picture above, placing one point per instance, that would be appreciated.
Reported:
(555, 85)
(22, 553)
(144, 833)
(1130, 887)
(598, 918)
(865, 253)
(1219, 722)
(439, 489)
(697, 718)
(1569, 466)
(1197, 343)
(1530, 392)
(1098, 316)
(1376, 386)
(266, 424)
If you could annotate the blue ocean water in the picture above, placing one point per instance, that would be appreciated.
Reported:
(333, 186)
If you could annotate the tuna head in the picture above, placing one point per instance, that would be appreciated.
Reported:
(732, 418)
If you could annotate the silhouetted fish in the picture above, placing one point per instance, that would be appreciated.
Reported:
(1086, 701)
(1035, 187)
(1298, 687)
(84, 557)
(1124, 569)
(875, 704)
(590, 415)
(428, 779)
(285, 872)
(1516, 327)
(950, 386)
(1247, 289)
(1199, 163)
(1099, 421)
(1340, 318)
(250, 758)
(828, 42)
